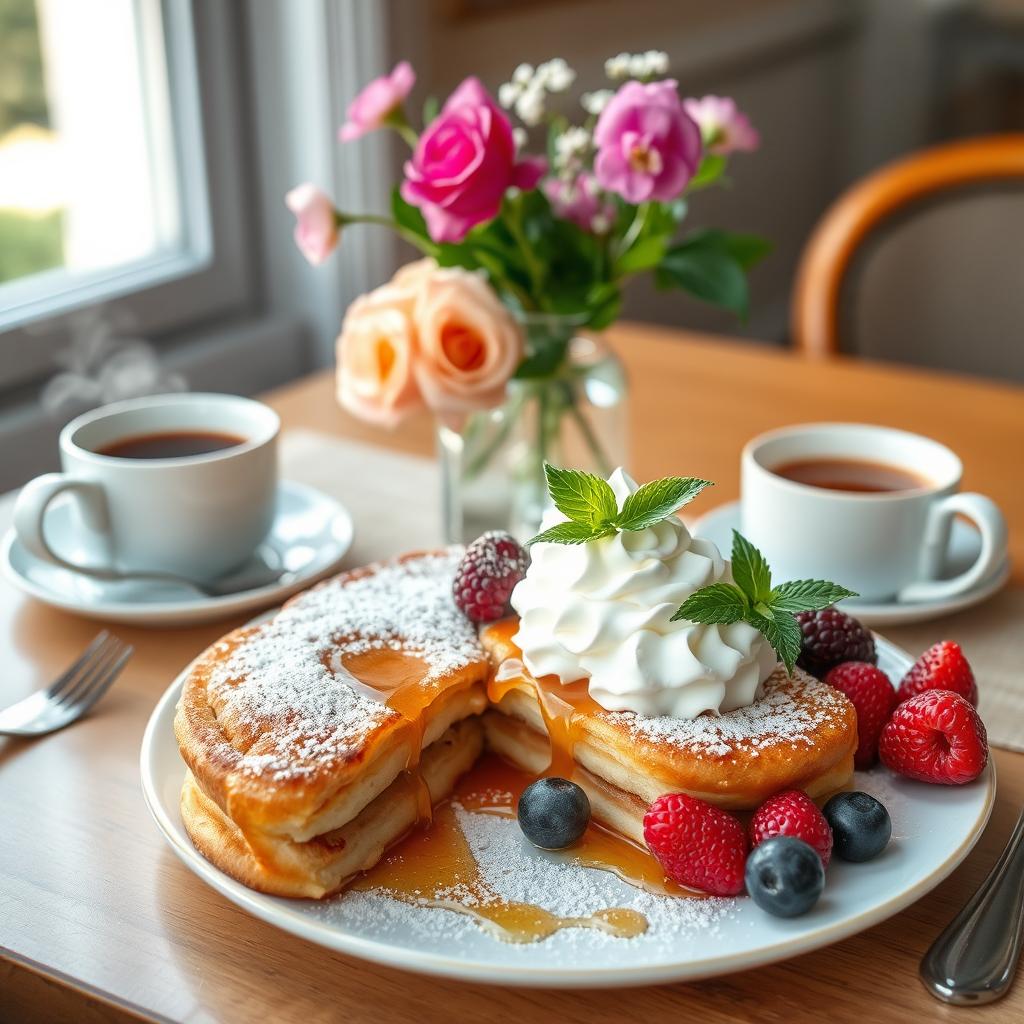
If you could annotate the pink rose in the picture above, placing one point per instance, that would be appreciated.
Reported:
(376, 350)
(469, 345)
(464, 163)
(648, 147)
(723, 126)
(316, 225)
(581, 202)
(377, 101)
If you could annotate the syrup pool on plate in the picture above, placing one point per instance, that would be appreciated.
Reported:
(434, 865)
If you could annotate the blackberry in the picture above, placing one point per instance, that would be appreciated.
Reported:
(831, 637)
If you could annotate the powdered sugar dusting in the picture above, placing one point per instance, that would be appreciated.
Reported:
(514, 872)
(777, 718)
(290, 709)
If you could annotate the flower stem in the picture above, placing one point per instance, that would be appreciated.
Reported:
(601, 460)
(400, 123)
(533, 267)
(424, 246)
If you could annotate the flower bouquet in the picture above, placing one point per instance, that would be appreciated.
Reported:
(526, 255)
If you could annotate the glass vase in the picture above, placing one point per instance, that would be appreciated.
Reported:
(573, 415)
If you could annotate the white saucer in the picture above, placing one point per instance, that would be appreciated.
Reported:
(934, 828)
(310, 536)
(964, 544)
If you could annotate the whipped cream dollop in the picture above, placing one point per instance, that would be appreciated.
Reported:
(602, 611)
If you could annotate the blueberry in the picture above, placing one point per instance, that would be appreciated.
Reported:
(860, 825)
(553, 813)
(784, 876)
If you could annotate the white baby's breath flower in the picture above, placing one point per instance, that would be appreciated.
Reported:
(617, 67)
(572, 142)
(600, 223)
(508, 93)
(556, 75)
(520, 137)
(638, 66)
(657, 62)
(523, 75)
(530, 105)
(595, 102)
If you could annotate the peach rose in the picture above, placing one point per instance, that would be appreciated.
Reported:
(469, 345)
(412, 275)
(376, 354)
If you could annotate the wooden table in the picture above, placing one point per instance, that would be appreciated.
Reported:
(99, 920)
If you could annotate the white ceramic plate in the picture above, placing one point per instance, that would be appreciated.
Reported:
(310, 536)
(964, 545)
(934, 828)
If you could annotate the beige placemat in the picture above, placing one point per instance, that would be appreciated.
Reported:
(394, 499)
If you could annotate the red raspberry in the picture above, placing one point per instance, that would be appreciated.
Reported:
(942, 667)
(871, 693)
(792, 813)
(491, 567)
(935, 737)
(698, 845)
(830, 637)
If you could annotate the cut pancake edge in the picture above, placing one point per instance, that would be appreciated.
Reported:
(323, 865)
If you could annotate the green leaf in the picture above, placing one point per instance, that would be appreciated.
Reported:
(543, 362)
(648, 251)
(711, 169)
(571, 533)
(604, 301)
(657, 500)
(431, 108)
(717, 603)
(408, 216)
(750, 570)
(782, 632)
(747, 250)
(806, 595)
(704, 267)
(582, 497)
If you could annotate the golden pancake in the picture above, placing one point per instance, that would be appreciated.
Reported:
(800, 734)
(324, 865)
(292, 727)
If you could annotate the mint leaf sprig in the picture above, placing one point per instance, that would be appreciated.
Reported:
(589, 503)
(753, 599)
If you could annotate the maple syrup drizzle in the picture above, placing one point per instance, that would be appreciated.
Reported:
(396, 679)
(562, 706)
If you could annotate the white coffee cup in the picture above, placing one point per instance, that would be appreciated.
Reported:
(884, 545)
(195, 516)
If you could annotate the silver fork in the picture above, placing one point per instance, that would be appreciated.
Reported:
(72, 694)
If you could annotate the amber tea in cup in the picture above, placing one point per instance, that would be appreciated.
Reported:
(859, 475)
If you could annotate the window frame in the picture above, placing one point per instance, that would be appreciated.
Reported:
(209, 273)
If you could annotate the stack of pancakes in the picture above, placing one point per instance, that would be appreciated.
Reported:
(318, 739)
(300, 773)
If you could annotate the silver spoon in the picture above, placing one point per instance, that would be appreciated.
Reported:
(258, 572)
(973, 961)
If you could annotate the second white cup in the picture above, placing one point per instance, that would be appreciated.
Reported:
(885, 544)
